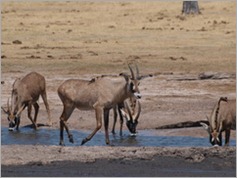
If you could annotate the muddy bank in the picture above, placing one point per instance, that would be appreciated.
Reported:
(160, 166)
(117, 161)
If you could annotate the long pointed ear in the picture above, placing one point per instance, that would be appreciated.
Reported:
(127, 109)
(205, 126)
(124, 114)
(6, 112)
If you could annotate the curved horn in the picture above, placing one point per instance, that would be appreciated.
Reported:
(7, 112)
(139, 110)
(131, 72)
(8, 107)
(128, 109)
(20, 110)
(137, 70)
(124, 114)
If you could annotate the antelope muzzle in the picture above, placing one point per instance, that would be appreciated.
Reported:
(13, 123)
(132, 127)
(215, 139)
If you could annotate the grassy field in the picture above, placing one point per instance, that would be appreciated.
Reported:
(82, 38)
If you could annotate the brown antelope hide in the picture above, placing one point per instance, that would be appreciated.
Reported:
(101, 94)
(25, 93)
(222, 118)
(128, 111)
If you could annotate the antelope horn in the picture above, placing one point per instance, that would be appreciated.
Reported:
(8, 107)
(139, 110)
(124, 114)
(131, 72)
(137, 70)
(20, 110)
(128, 109)
(4, 110)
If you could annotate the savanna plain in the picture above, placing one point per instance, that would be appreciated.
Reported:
(63, 40)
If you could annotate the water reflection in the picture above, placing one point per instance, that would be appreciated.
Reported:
(48, 136)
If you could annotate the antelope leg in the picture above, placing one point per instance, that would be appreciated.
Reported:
(44, 97)
(227, 137)
(36, 106)
(98, 114)
(67, 111)
(106, 125)
(121, 122)
(115, 119)
(29, 116)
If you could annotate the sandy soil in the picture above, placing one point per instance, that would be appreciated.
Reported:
(63, 40)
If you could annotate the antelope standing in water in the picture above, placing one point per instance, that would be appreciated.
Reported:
(223, 118)
(100, 94)
(25, 93)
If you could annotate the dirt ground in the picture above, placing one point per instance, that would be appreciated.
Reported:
(63, 40)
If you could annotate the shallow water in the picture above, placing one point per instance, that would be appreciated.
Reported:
(47, 136)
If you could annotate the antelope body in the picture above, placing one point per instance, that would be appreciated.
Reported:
(223, 118)
(25, 93)
(100, 94)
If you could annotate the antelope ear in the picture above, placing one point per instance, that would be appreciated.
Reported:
(126, 115)
(205, 126)
(6, 112)
(123, 112)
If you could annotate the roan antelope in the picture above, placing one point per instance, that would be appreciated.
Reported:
(223, 118)
(25, 93)
(100, 94)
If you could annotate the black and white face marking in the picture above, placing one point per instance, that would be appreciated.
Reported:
(132, 126)
(215, 138)
(134, 88)
(12, 119)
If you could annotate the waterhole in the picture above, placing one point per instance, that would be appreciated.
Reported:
(48, 136)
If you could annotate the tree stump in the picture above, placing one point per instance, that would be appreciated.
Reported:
(190, 7)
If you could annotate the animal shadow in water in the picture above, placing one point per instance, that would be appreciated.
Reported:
(38, 125)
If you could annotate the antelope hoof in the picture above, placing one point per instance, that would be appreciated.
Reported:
(107, 142)
(35, 126)
(61, 143)
(84, 141)
(71, 138)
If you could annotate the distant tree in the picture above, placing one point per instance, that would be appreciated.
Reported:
(190, 7)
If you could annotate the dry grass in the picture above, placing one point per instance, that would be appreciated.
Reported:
(79, 37)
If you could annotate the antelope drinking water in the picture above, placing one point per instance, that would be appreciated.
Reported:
(25, 93)
(223, 118)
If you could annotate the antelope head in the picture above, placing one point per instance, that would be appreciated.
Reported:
(131, 117)
(214, 134)
(215, 127)
(12, 116)
(135, 82)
